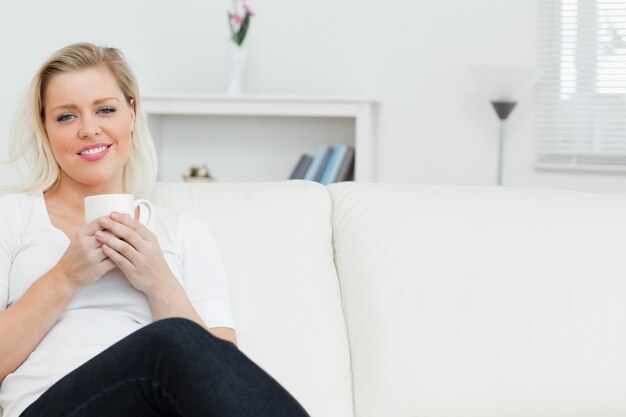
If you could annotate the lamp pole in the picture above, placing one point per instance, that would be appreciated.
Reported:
(503, 110)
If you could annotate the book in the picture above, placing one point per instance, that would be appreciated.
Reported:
(301, 167)
(315, 163)
(334, 163)
(324, 164)
(346, 171)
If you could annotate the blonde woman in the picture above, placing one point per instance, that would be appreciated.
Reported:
(110, 318)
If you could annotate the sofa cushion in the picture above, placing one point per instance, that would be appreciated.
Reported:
(483, 301)
(276, 241)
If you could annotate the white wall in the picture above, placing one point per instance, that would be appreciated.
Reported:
(433, 128)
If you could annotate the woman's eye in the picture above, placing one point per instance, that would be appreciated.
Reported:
(107, 110)
(64, 117)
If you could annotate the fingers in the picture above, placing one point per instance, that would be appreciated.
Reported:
(119, 260)
(84, 261)
(111, 241)
(122, 235)
(124, 231)
(85, 242)
(90, 228)
(129, 245)
(106, 264)
(130, 223)
(126, 228)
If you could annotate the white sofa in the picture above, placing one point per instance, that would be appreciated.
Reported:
(379, 300)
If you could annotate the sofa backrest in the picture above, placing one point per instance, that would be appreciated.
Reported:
(276, 241)
(466, 301)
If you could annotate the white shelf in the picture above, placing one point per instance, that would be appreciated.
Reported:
(158, 108)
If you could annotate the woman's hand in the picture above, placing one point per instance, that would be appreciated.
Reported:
(136, 251)
(84, 261)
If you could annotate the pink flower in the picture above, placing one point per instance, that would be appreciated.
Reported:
(248, 10)
(236, 18)
(239, 21)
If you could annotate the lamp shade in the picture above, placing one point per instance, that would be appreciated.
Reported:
(503, 108)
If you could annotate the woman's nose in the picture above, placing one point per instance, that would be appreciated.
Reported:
(89, 129)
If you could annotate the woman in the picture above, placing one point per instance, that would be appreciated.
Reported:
(110, 318)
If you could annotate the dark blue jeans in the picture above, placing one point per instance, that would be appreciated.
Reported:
(171, 367)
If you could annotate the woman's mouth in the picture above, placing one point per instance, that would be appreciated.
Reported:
(94, 152)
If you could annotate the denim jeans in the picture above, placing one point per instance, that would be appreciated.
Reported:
(172, 367)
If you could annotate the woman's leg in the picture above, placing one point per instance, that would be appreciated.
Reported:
(172, 367)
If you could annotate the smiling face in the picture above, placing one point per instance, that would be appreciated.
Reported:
(89, 124)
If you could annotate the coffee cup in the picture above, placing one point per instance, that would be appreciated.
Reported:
(104, 204)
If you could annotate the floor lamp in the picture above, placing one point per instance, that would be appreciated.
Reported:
(503, 110)
(503, 86)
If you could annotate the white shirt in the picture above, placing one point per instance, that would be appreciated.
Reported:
(103, 313)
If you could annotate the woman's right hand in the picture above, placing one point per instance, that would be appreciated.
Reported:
(84, 262)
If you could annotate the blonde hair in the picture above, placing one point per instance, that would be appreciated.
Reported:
(29, 140)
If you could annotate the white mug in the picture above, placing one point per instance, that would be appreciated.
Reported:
(104, 204)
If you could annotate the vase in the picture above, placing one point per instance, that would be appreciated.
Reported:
(238, 64)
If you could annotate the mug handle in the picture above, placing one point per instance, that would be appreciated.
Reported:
(146, 204)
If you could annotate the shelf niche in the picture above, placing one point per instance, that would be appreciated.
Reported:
(256, 138)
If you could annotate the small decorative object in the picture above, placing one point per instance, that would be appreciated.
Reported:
(239, 22)
(198, 174)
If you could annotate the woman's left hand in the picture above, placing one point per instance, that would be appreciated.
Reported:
(136, 251)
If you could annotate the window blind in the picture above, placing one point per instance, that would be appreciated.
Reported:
(582, 95)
